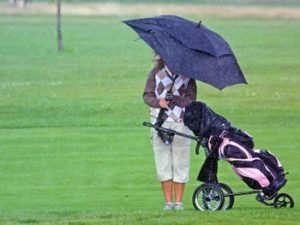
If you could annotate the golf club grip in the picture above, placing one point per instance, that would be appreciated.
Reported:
(197, 147)
(147, 124)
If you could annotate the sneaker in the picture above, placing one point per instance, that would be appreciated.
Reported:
(178, 206)
(169, 206)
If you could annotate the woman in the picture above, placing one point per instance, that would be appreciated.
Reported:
(167, 94)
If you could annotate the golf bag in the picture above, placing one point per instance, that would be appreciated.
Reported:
(259, 169)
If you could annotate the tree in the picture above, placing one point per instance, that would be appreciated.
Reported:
(58, 26)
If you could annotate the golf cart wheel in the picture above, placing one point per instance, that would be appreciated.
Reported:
(283, 201)
(228, 197)
(208, 197)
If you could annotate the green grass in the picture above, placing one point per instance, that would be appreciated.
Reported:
(73, 150)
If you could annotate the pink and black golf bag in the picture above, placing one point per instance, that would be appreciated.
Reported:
(259, 169)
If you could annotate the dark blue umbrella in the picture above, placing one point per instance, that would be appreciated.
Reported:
(190, 49)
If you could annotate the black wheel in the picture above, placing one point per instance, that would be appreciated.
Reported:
(228, 198)
(283, 201)
(208, 197)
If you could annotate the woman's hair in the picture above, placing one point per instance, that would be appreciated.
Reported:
(158, 61)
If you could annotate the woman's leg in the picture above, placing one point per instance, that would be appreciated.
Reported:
(181, 163)
(178, 190)
(167, 188)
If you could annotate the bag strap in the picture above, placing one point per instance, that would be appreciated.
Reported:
(160, 120)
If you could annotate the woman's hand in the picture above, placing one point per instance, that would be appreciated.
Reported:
(163, 103)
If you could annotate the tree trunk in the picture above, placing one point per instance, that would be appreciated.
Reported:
(59, 33)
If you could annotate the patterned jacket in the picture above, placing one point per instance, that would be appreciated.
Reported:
(158, 84)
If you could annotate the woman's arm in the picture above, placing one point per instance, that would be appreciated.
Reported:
(149, 91)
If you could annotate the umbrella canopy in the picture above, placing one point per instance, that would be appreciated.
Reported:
(190, 49)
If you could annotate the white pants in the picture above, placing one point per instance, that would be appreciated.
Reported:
(172, 161)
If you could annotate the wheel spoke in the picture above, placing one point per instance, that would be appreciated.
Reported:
(208, 197)
(283, 201)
